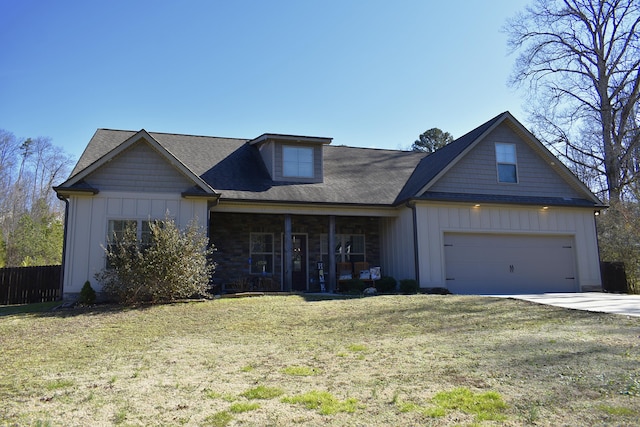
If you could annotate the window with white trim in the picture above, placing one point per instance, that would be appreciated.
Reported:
(297, 162)
(261, 253)
(506, 162)
(117, 227)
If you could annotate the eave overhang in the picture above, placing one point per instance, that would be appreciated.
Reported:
(82, 189)
(509, 200)
(290, 138)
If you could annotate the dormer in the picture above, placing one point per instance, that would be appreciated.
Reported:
(292, 158)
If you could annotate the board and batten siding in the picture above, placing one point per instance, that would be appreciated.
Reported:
(435, 220)
(139, 168)
(397, 256)
(476, 173)
(88, 227)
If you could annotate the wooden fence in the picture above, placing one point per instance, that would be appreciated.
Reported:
(26, 285)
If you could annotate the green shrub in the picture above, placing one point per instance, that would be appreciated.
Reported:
(355, 286)
(386, 285)
(87, 294)
(408, 286)
(173, 265)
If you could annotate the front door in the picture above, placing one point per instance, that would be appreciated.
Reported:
(299, 259)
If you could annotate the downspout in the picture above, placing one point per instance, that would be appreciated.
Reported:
(64, 243)
(416, 255)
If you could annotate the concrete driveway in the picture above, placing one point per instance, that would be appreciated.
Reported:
(624, 304)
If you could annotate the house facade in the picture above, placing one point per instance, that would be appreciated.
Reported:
(492, 212)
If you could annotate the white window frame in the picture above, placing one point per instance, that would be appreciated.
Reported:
(143, 231)
(297, 161)
(510, 160)
(256, 266)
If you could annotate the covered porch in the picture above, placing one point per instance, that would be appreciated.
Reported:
(291, 252)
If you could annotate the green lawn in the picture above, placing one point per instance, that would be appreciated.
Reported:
(280, 361)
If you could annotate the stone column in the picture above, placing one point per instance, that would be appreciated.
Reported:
(331, 268)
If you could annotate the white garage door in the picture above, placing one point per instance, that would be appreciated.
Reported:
(507, 264)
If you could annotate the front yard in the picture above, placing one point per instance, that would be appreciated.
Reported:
(280, 361)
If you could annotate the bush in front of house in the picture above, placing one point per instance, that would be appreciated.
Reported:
(386, 285)
(174, 264)
(355, 286)
(408, 286)
(87, 294)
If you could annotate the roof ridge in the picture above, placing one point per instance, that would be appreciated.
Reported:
(173, 133)
(396, 150)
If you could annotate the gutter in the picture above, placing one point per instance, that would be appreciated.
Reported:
(416, 256)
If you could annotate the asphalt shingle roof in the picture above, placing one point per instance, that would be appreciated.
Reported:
(235, 169)
(433, 164)
(360, 176)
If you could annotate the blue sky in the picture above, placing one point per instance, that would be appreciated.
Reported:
(367, 73)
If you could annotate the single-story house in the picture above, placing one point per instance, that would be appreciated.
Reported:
(493, 212)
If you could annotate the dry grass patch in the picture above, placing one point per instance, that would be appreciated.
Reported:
(265, 361)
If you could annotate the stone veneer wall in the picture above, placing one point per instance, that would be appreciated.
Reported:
(230, 232)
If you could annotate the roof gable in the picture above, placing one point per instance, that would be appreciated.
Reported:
(139, 168)
(107, 145)
(476, 172)
(453, 169)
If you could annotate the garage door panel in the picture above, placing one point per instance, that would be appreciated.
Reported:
(493, 264)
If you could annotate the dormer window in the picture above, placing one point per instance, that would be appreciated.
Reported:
(506, 163)
(297, 162)
(293, 159)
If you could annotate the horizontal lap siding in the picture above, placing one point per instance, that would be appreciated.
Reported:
(267, 153)
(476, 173)
(139, 168)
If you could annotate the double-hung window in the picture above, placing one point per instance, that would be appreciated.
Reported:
(297, 162)
(261, 253)
(506, 163)
(116, 229)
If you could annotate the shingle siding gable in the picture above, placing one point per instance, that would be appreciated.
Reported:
(141, 169)
(476, 173)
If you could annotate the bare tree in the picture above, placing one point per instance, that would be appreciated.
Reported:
(48, 164)
(30, 214)
(581, 61)
(9, 147)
